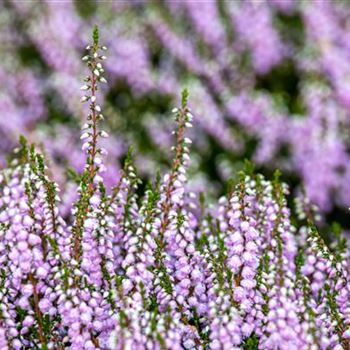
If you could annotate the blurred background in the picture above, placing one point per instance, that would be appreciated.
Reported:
(269, 81)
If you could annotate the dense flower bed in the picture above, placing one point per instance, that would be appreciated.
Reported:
(155, 266)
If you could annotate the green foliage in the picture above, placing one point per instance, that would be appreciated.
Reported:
(184, 98)
(251, 343)
(95, 35)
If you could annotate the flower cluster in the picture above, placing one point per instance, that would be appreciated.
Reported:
(270, 80)
(156, 267)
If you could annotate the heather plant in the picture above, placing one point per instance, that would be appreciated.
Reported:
(155, 266)
(270, 80)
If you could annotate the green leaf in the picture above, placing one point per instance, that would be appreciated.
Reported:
(95, 35)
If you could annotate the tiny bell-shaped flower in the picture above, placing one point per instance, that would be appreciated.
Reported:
(103, 134)
(85, 98)
(85, 135)
(86, 145)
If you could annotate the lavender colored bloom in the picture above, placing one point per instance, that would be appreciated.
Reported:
(253, 22)
(154, 266)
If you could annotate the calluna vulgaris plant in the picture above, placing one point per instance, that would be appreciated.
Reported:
(269, 79)
(154, 267)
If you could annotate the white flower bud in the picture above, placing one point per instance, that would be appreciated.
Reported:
(85, 135)
(85, 87)
(103, 151)
(85, 146)
(98, 161)
(189, 116)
